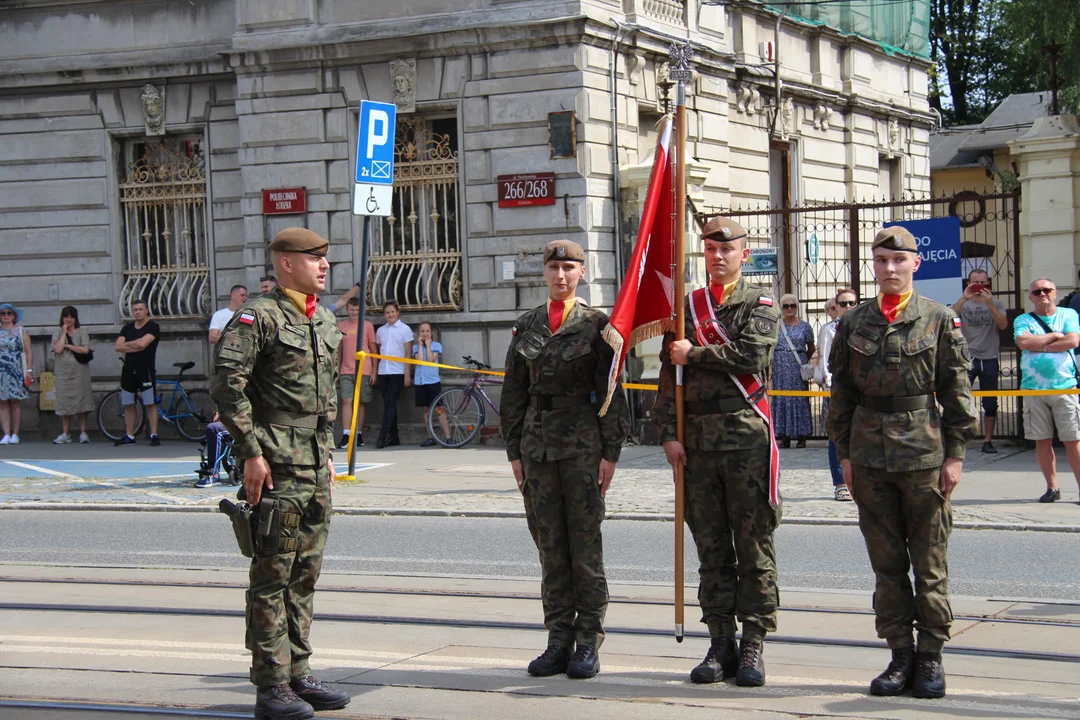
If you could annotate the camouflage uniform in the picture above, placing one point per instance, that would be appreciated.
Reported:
(274, 380)
(883, 419)
(549, 421)
(727, 464)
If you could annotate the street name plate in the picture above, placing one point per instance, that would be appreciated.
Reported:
(526, 190)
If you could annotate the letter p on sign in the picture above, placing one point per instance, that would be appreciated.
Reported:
(378, 131)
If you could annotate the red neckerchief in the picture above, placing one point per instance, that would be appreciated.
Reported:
(889, 306)
(555, 313)
(717, 291)
(310, 305)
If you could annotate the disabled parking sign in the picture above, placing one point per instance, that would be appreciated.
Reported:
(375, 158)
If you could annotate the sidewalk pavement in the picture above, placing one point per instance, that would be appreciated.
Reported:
(995, 491)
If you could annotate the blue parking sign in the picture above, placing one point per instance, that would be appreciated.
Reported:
(375, 143)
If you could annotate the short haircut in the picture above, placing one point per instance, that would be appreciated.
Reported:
(353, 302)
(139, 301)
(845, 291)
(390, 302)
(1042, 279)
(789, 296)
(978, 271)
(238, 287)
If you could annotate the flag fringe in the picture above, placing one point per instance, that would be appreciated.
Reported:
(615, 339)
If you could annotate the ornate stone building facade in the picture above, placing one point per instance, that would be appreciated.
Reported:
(137, 138)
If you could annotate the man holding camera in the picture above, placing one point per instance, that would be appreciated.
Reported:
(983, 316)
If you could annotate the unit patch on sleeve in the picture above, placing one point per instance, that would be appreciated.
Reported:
(247, 318)
(956, 322)
(765, 300)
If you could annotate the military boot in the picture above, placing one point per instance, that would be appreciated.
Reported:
(584, 664)
(898, 676)
(751, 672)
(279, 702)
(722, 661)
(551, 662)
(929, 676)
(318, 694)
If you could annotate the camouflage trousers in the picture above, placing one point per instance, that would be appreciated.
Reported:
(564, 510)
(906, 523)
(728, 511)
(282, 585)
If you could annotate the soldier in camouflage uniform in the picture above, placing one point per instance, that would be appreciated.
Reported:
(563, 456)
(901, 456)
(727, 461)
(274, 374)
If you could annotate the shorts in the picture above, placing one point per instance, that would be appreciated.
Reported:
(346, 385)
(426, 394)
(137, 381)
(1042, 413)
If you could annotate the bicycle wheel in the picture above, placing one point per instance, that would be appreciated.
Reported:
(464, 416)
(193, 412)
(110, 416)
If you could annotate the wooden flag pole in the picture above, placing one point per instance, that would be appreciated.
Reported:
(680, 71)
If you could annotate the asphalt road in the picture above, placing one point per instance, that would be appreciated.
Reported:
(1035, 565)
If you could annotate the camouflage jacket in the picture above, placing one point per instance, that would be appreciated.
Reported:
(575, 361)
(750, 317)
(929, 355)
(274, 375)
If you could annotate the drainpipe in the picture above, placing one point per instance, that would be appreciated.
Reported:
(776, 71)
(622, 33)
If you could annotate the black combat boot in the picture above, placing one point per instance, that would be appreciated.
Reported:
(722, 661)
(751, 672)
(929, 676)
(551, 662)
(279, 702)
(584, 664)
(318, 694)
(898, 676)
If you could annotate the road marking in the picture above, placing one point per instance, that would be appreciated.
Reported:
(36, 468)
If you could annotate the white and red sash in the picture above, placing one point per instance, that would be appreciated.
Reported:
(711, 332)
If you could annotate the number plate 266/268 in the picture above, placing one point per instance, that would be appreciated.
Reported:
(526, 190)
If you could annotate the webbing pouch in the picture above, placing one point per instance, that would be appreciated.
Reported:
(268, 534)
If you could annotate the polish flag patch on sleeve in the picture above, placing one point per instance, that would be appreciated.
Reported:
(765, 300)
(956, 322)
(247, 318)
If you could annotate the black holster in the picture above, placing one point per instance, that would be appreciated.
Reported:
(242, 517)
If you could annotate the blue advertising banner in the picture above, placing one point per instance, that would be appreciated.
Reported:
(940, 275)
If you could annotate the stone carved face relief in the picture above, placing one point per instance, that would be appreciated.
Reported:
(402, 85)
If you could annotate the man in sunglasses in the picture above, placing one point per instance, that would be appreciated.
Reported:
(982, 316)
(893, 362)
(1047, 338)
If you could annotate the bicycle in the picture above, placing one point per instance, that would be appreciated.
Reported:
(189, 411)
(462, 408)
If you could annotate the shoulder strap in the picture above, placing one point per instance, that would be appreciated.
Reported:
(1041, 322)
(783, 331)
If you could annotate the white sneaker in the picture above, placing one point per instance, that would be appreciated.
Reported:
(84, 438)
(14, 439)
(61, 439)
(6, 440)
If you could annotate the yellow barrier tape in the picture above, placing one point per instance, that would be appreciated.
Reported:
(647, 386)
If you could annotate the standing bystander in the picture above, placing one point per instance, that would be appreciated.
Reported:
(237, 297)
(1047, 338)
(138, 342)
(267, 283)
(428, 385)
(16, 371)
(71, 346)
(394, 339)
(982, 316)
(845, 300)
(347, 372)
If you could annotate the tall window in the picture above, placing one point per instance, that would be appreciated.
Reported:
(416, 251)
(163, 201)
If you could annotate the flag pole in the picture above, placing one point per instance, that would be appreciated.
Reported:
(680, 72)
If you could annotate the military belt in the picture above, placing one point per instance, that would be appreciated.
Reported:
(716, 406)
(290, 419)
(558, 402)
(897, 404)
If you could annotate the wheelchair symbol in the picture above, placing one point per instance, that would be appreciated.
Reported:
(372, 203)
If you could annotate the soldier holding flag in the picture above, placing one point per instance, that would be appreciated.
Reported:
(730, 457)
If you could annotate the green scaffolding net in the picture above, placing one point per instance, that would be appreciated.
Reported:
(898, 26)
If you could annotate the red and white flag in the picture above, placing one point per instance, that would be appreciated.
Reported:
(643, 309)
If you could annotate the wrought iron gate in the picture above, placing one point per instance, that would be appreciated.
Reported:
(166, 253)
(416, 251)
(990, 240)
